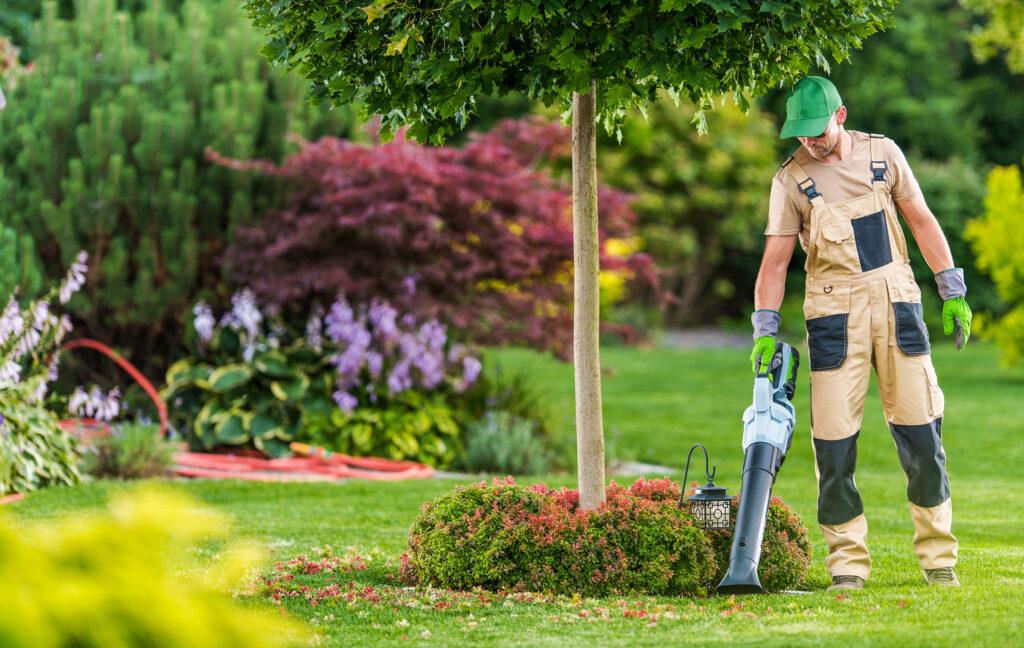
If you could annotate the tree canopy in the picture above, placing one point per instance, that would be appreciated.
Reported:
(424, 64)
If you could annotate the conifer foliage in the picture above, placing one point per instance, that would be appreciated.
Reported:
(102, 149)
(477, 237)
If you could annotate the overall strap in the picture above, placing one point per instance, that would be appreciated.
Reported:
(803, 181)
(878, 163)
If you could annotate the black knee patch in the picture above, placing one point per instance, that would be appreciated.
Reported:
(924, 461)
(838, 499)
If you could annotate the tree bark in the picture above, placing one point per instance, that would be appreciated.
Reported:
(586, 323)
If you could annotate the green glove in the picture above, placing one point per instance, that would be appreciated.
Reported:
(761, 356)
(956, 319)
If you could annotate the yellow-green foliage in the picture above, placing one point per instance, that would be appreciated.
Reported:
(998, 240)
(123, 579)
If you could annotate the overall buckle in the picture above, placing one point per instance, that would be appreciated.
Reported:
(808, 188)
(879, 169)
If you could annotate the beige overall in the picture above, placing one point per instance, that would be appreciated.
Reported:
(863, 310)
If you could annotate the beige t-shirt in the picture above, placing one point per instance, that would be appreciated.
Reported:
(789, 209)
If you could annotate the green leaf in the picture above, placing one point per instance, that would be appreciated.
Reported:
(291, 390)
(273, 448)
(213, 412)
(231, 430)
(229, 377)
(362, 437)
(396, 45)
(262, 426)
(273, 364)
(184, 372)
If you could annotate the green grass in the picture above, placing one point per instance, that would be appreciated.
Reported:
(657, 403)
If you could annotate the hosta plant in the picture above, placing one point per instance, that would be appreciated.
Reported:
(362, 380)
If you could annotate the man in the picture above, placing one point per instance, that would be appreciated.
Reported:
(838, 194)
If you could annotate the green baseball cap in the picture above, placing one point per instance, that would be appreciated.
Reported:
(809, 107)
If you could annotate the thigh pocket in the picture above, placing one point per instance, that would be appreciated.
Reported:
(826, 341)
(911, 333)
(936, 400)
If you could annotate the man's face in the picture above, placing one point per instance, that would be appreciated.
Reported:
(822, 146)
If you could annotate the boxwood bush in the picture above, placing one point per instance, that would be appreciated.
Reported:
(505, 536)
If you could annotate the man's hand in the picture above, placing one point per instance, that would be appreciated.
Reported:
(956, 314)
(761, 356)
(956, 317)
(766, 326)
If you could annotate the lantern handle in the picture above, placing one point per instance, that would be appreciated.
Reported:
(686, 472)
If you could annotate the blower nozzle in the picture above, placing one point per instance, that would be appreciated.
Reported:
(767, 434)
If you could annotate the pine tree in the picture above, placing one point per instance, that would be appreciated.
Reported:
(103, 150)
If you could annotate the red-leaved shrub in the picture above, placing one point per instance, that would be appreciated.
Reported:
(503, 536)
(479, 237)
(785, 550)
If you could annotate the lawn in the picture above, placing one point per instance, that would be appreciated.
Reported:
(657, 403)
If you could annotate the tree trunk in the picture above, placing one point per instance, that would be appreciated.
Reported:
(586, 255)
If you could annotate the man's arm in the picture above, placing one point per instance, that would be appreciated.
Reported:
(771, 278)
(927, 232)
(956, 314)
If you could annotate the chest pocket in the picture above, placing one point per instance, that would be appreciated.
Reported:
(839, 242)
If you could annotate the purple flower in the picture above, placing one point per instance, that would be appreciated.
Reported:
(339, 321)
(382, 318)
(456, 352)
(28, 341)
(40, 315)
(433, 335)
(244, 312)
(470, 369)
(75, 278)
(63, 328)
(315, 328)
(346, 401)
(399, 379)
(95, 404)
(11, 321)
(409, 283)
(10, 373)
(51, 370)
(203, 322)
(374, 363)
(431, 367)
(39, 393)
(350, 362)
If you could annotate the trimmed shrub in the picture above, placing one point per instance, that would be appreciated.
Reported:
(785, 551)
(503, 536)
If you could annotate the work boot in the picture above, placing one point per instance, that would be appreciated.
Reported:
(846, 583)
(942, 576)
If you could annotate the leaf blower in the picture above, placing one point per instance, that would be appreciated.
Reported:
(767, 435)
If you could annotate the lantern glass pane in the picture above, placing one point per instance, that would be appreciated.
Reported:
(717, 514)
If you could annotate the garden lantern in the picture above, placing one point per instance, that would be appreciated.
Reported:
(709, 504)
